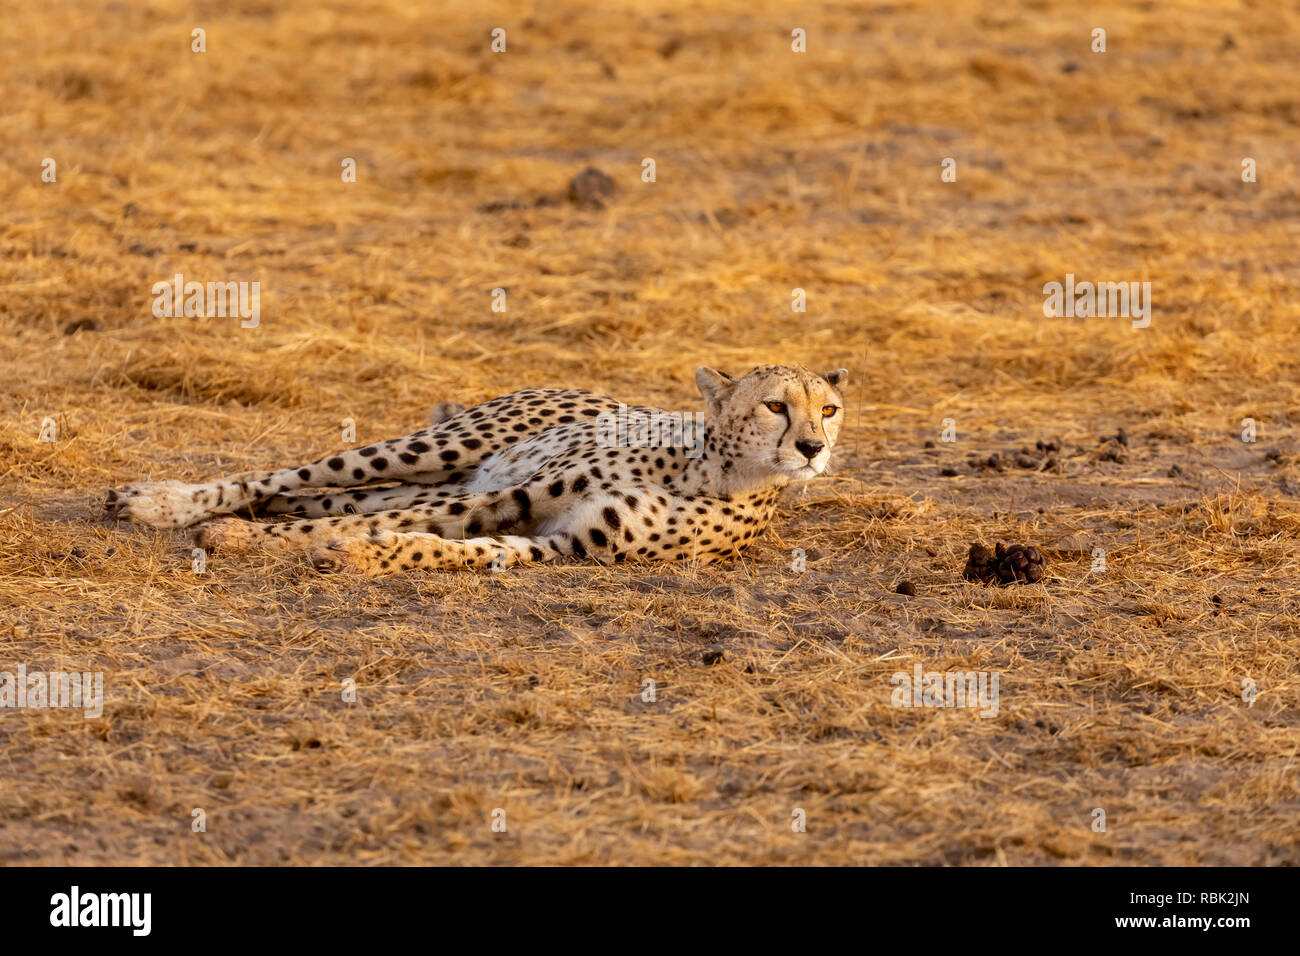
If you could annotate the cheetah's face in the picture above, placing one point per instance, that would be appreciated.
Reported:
(777, 420)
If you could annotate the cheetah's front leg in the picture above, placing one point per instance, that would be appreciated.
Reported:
(235, 535)
(388, 552)
(452, 515)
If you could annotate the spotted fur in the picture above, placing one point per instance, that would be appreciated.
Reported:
(528, 477)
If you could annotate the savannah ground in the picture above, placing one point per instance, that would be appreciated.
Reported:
(1121, 690)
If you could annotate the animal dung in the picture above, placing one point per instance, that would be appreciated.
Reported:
(1007, 564)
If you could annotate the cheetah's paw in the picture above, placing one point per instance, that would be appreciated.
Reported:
(236, 535)
(360, 555)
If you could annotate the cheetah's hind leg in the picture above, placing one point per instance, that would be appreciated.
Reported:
(345, 501)
(170, 504)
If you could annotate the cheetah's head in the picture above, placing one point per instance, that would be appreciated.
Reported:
(777, 421)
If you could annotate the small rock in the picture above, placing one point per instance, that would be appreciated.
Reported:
(80, 325)
(591, 187)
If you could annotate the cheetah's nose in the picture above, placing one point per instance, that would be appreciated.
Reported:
(809, 447)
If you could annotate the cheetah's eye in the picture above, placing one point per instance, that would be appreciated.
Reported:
(829, 410)
(777, 407)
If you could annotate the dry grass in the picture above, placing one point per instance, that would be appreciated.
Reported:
(1120, 690)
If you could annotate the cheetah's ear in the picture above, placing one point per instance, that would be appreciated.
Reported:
(715, 386)
(837, 378)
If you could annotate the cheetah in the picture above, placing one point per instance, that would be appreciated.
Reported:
(536, 475)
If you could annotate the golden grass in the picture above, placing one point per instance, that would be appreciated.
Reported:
(1120, 690)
